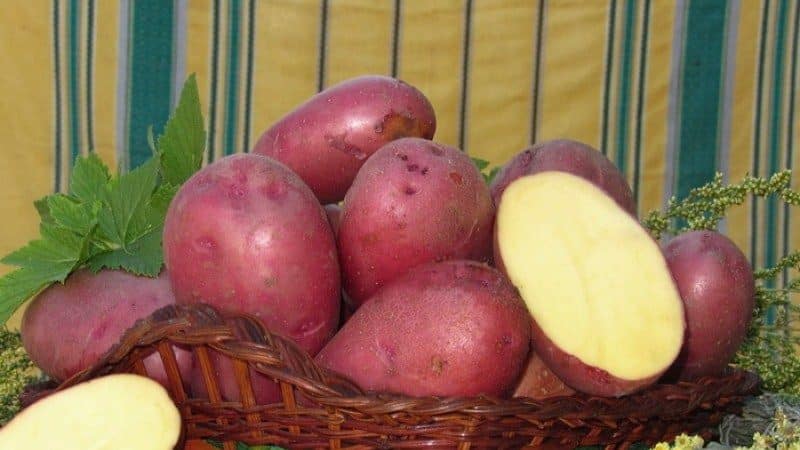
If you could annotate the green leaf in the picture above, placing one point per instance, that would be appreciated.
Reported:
(127, 199)
(80, 218)
(22, 284)
(141, 257)
(43, 209)
(183, 142)
(162, 197)
(56, 247)
(89, 178)
(480, 163)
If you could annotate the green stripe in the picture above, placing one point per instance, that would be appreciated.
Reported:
(624, 90)
(232, 75)
(248, 96)
(640, 101)
(149, 73)
(73, 52)
(787, 216)
(775, 126)
(212, 104)
(612, 19)
(57, 78)
(762, 54)
(701, 94)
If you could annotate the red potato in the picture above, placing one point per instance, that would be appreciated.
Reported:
(569, 156)
(327, 139)
(717, 286)
(69, 326)
(414, 201)
(539, 382)
(453, 328)
(246, 235)
(607, 317)
(334, 212)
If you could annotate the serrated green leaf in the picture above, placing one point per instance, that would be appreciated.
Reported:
(127, 201)
(491, 175)
(22, 284)
(43, 209)
(57, 246)
(89, 177)
(78, 217)
(162, 197)
(183, 142)
(141, 257)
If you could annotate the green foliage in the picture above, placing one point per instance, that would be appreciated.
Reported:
(16, 371)
(482, 165)
(109, 221)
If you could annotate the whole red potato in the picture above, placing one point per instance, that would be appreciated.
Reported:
(715, 281)
(327, 139)
(246, 235)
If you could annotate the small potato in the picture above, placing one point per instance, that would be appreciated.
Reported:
(453, 328)
(246, 235)
(569, 156)
(68, 327)
(716, 283)
(327, 139)
(413, 202)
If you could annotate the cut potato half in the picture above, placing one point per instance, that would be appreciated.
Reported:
(599, 290)
(115, 412)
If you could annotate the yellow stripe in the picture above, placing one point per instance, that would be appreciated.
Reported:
(359, 39)
(198, 49)
(27, 134)
(430, 55)
(106, 57)
(285, 59)
(500, 93)
(742, 130)
(654, 131)
(573, 71)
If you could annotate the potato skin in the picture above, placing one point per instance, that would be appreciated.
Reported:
(69, 326)
(579, 375)
(570, 156)
(413, 202)
(246, 235)
(452, 328)
(539, 382)
(327, 139)
(717, 286)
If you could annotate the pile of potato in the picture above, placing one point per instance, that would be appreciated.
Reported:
(386, 255)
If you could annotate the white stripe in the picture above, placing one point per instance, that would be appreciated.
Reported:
(123, 159)
(179, 53)
(673, 114)
(729, 80)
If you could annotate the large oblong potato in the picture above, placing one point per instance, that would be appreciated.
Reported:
(246, 235)
(327, 139)
(607, 317)
(413, 202)
(453, 328)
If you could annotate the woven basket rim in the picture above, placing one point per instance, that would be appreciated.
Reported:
(322, 409)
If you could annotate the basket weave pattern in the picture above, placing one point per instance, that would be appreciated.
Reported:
(322, 410)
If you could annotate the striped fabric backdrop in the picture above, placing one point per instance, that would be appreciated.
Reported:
(671, 90)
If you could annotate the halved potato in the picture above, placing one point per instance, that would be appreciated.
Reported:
(115, 412)
(608, 318)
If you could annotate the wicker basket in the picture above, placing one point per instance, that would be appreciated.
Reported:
(322, 410)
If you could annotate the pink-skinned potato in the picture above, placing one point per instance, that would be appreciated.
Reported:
(69, 326)
(246, 235)
(539, 382)
(327, 139)
(716, 283)
(414, 201)
(570, 156)
(607, 318)
(452, 328)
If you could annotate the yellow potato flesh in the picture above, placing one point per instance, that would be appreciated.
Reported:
(592, 277)
(115, 412)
